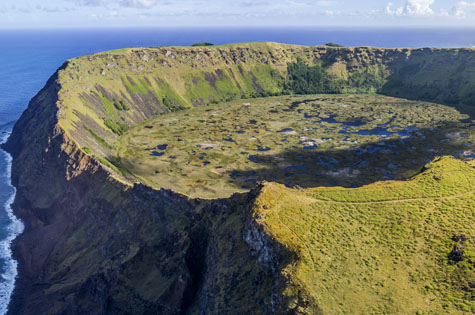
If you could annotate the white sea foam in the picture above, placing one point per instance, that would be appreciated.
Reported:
(15, 227)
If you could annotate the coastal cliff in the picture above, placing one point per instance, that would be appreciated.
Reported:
(95, 245)
(97, 241)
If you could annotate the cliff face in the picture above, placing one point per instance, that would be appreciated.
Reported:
(97, 244)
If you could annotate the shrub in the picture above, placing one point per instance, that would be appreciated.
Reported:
(202, 44)
(305, 79)
(167, 102)
(87, 150)
(120, 105)
(116, 127)
(171, 104)
(124, 107)
(333, 45)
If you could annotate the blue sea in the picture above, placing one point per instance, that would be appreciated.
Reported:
(28, 58)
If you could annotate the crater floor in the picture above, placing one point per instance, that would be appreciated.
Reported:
(304, 141)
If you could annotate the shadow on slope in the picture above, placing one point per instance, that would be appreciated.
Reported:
(445, 81)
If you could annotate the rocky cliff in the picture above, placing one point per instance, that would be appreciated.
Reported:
(94, 245)
(98, 242)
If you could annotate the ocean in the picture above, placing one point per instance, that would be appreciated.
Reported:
(29, 57)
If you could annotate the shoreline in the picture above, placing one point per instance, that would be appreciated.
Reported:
(14, 229)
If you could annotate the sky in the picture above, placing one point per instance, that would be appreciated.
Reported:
(19, 14)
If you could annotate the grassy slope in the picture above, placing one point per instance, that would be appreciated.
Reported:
(381, 248)
(143, 78)
(444, 76)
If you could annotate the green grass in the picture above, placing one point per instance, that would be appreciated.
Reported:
(136, 85)
(108, 107)
(87, 150)
(118, 128)
(99, 140)
(382, 248)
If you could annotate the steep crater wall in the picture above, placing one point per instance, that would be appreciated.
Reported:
(102, 95)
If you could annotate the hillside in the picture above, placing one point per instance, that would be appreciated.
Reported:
(114, 226)
(382, 248)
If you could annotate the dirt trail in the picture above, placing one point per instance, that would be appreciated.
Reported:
(395, 200)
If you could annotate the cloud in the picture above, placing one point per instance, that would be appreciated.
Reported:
(249, 3)
(138, 3)
(331, 13)
(412, 8)
(33, 9)
(463, 9)
(324, 3)
(141, 4)
(49, 9)
(389, 10)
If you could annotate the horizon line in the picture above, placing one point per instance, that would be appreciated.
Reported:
(346, 27)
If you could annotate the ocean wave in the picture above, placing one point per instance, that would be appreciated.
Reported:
(14, 228)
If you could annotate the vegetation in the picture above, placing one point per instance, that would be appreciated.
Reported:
(98, 139)
(111, 165)
(183, 78)
(383, 248)
(365, 81)
(303, 141)
(333, 45)
(305, 79)
(87, 150)
(167, 102)
(171, 104)
(116, 127)
(373, 246)
(120, 105)
(202, 44)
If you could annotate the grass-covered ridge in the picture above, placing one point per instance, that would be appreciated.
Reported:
(383, 248)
